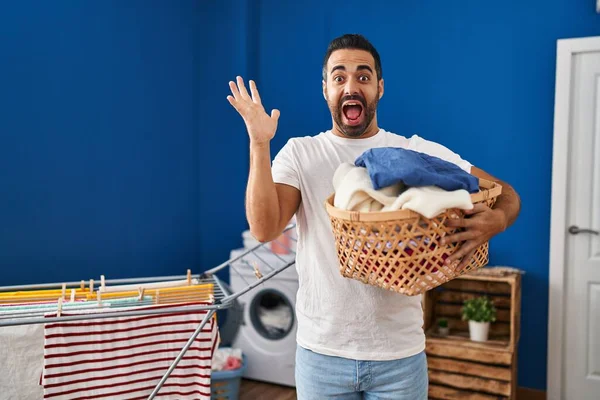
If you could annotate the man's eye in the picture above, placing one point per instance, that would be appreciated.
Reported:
(338, 79)
(364, 78)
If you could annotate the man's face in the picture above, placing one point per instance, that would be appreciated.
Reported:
(352, 91)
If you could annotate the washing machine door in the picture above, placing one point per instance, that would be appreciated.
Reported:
(271, 314)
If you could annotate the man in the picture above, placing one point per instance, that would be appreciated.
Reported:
(354, 339)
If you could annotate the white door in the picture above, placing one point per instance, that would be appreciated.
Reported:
(581, 362)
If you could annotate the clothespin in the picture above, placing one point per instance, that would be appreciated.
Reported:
(72, 295)
(256, 270)
(99, 297)
(189, 277)
(59, 307)
(82, 284)
(140, 293)
(156, 296)
(64, 290)
(102, 282)
(91, 286)
(211, 298)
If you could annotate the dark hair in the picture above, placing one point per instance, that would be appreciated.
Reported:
(352, 41)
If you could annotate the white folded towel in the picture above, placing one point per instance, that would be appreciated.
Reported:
(430, 201)
(354, 192)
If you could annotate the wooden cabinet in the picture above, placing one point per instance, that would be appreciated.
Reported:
(463, 369)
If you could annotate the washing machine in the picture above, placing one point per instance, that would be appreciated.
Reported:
(267, 331)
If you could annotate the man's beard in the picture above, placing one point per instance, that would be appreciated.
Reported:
(368, 109)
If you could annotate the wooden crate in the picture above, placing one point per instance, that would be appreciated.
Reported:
(458, 367)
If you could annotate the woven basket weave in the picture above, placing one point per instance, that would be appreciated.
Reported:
(400, 250)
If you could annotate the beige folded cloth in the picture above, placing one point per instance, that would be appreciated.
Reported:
(354, 192)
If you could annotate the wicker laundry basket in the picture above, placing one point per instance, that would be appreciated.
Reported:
(400, 250)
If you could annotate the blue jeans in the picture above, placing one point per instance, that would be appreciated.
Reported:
(325, 377)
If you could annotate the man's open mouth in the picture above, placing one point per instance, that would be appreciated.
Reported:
(353, 111)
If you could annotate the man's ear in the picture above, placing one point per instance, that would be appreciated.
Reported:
(380, 88)
(324, 90)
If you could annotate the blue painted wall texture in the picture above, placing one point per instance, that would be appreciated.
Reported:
(119, 154)
(98, 139)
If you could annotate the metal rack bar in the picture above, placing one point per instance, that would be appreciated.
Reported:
(219, 267)
(255, 284)
(65, 318)
(124, 281)
(181, 354)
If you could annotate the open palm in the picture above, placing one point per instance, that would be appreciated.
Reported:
(261, 127)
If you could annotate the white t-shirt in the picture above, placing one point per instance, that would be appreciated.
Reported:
(340, 316)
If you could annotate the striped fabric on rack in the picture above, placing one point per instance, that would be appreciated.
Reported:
(125, 357)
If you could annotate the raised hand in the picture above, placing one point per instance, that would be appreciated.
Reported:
(261, 127)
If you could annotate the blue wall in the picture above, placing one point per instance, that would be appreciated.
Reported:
(476, 76)
(120, 155)
(222, 54)
(98, 139)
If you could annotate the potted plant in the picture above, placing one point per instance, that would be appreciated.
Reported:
(479, 311)
(443, 327)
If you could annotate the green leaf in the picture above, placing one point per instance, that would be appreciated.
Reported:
(480, 309)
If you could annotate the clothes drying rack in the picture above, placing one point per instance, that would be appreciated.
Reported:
(220, 296)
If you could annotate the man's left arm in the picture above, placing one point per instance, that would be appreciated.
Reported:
(482, 223)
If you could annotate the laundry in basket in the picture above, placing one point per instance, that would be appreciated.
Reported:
(226, 358)
(399, 249)
(228, 366)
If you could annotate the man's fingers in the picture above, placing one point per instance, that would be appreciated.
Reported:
(467, 247)
(254, 91)
(460, 222)
(275, 115)
(234, 90)
(242, 88)
(477, 208)
(233, 102)
(457, 237)
(465, 261)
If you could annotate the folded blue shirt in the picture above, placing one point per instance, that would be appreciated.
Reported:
(389, 165)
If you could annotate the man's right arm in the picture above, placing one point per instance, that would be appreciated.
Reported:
(269, 206)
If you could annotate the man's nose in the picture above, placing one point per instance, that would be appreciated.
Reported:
(351, 87)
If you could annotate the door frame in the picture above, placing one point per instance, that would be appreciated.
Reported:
(565, 50)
